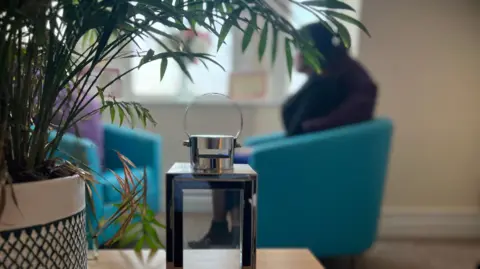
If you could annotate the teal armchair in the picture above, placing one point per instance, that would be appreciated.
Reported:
(141, 147)
(324, 190)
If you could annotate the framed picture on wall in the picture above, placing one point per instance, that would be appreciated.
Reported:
(248, 86)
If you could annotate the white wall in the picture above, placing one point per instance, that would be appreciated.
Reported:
(424, 56)
(426, 59)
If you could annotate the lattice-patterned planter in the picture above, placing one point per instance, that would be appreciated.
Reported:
(48, 229)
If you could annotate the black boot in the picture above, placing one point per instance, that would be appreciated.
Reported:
(217, 237)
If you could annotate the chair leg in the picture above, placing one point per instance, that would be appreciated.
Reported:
(354, 262)
(343, 262)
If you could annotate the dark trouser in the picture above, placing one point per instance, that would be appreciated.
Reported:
(232, 198)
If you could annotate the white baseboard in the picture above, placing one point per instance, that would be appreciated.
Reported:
(405, 222)
(430, 222)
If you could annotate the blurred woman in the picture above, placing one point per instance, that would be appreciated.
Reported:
(343, 93)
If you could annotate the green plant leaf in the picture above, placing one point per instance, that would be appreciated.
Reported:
(209, 11)
(158, 224)
(139, 245)
(130, 236)
(150, 213)
(121, 115)
(263, 41)
(274, 45)
(144, 121)
(152, 233)
(150, 243)
(102, 96)
(247, 35)
(226, 27)
(312, 59)
(333, 4)
(153, 252)
(344, 34)
(112, 113)
(288, 56)
(163, 68)
(147, 58)
(348, 19)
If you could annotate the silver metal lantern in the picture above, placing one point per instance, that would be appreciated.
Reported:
(197, 192)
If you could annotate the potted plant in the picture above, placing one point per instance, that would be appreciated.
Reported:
(42, 198)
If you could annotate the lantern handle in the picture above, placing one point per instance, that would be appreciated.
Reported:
(217, 94)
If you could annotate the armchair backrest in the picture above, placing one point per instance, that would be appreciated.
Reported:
(80, 151)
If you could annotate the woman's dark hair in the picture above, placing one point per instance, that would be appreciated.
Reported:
(328, 44)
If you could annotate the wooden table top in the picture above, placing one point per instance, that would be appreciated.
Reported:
(208, 259)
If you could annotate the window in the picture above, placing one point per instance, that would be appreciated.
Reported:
(146, 80)
(145, 83)
(300, 18)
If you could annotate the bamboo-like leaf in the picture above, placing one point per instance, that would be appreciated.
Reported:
(138, 111)
(158, 224)
(247, 35)
(100, 93)
(151, 233)
(139, 245)
(163, 68)
(210, 5)
(144, 121)
(153, 252)
(288, 56)
(263, 41)
(226, 27)
(147, 58)
(274, 45)
(112, 113)
(344, 35)
(108, 30)
(130, 235)
(312, 60)
(121, 115)
(183, 67)
(333, 4)
(348, 19)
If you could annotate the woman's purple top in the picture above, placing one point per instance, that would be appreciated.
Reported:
(91, 127)
(326, 102)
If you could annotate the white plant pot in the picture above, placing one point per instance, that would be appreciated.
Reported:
(48, 228)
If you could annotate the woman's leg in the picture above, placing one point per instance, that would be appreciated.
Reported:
(219, 233)
(224, 202)
(219, 206)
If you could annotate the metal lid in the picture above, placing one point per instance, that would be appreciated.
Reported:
(212, 153)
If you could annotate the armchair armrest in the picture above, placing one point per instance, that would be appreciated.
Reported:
(261, 139)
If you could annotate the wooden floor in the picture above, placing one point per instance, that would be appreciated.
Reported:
(414, 254)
